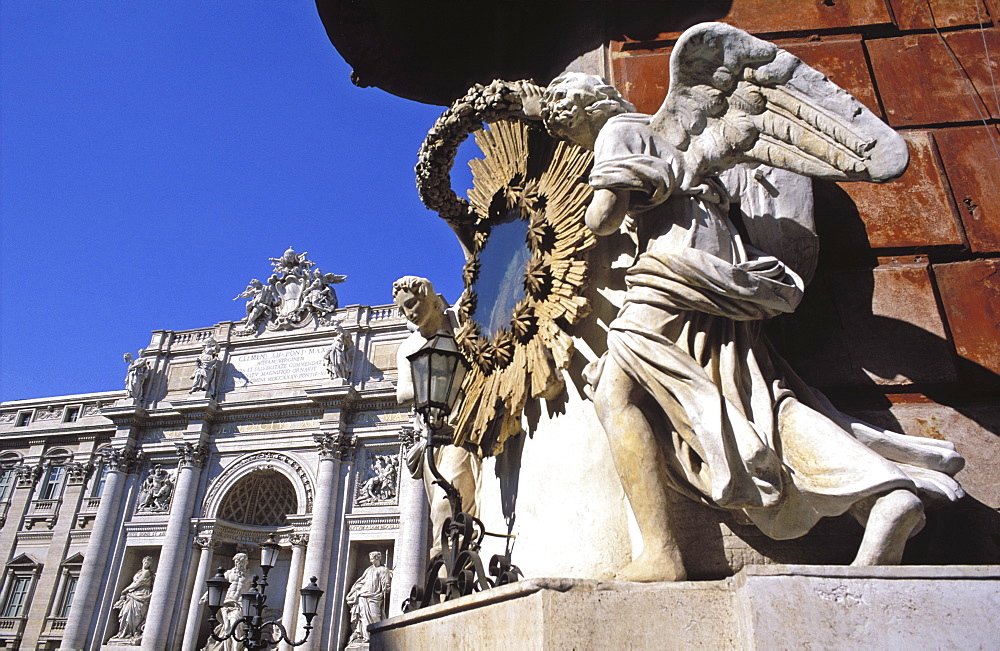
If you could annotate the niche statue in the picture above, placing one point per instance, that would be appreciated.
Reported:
(367, 597)
(133, 604)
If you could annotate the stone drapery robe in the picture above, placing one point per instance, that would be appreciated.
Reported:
(739, 429)
(367, 599)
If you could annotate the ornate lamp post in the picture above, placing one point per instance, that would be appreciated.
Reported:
(438, 370)
(254, 599)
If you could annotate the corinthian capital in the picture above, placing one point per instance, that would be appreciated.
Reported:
(119, 459)
(27, 475)
(335, 446)
(192, 455)
(76, 473)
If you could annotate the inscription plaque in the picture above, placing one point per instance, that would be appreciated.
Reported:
(277, 366)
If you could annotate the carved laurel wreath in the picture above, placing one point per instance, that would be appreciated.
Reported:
(545, 181)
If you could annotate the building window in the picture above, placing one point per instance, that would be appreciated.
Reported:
(17, 595)
(67, 596)
(23, 419)
(7, 480)
(98, 487)
(72, 414)
(52, 488)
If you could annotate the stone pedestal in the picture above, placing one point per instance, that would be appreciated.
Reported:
(762, 607)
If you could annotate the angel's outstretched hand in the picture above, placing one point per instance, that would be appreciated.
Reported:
(531, 101)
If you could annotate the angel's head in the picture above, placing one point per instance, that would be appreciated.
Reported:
(575, 106)
(419, 303)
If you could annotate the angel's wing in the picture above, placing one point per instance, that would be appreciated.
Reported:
(333, 279)
(735, 98)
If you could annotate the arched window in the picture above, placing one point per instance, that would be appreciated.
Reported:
(263, 498)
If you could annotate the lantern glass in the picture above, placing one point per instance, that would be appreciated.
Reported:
(218, 585)
(420, 368)
(269, 553)
(310, 599)
(438, 369)
(248, 599)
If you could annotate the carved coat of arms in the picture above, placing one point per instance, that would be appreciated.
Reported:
(296, 294)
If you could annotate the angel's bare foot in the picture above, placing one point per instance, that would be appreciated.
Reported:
(890, 523)
(662, 565)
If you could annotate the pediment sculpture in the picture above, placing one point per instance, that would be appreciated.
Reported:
(693, 397)
(297, 294)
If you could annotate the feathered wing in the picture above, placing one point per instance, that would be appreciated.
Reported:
(734, 98)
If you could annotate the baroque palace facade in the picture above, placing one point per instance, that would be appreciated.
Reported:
(283, 424)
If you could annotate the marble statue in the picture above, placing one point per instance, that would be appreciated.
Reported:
(368, 596)
(156, 491)
(137, 376)
(133, 604)
(690, 392)
(425, 309)
(231, 611)
(260, 306)
(380, 486)
(206, 369)
(338, 357)
(320, 296)
(297, 293)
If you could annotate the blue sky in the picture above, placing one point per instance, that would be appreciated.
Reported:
(153, 155)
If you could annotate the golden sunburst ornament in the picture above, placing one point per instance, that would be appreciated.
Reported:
(526, 273)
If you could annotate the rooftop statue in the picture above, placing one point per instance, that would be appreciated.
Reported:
(692, 395)
(339, 356)
(295, 294)
(206, 369)
(137, 376)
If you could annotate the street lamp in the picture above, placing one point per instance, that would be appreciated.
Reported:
(252, 602)
(438, 369)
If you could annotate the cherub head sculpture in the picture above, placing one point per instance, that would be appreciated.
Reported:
(575, 106)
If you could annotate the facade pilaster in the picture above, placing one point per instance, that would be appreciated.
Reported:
(76, 476)
(290, 617)
(160, 620)
(119, 462)
(411, 549)
(194, 616)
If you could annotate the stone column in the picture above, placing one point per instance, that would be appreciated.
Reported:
(170, 565)
(322, 546)
(79, 624)
(290, 617)
(410, 555)
(195, 610)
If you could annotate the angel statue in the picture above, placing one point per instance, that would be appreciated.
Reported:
(690, 392)
(261, 302)
(319, 295)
